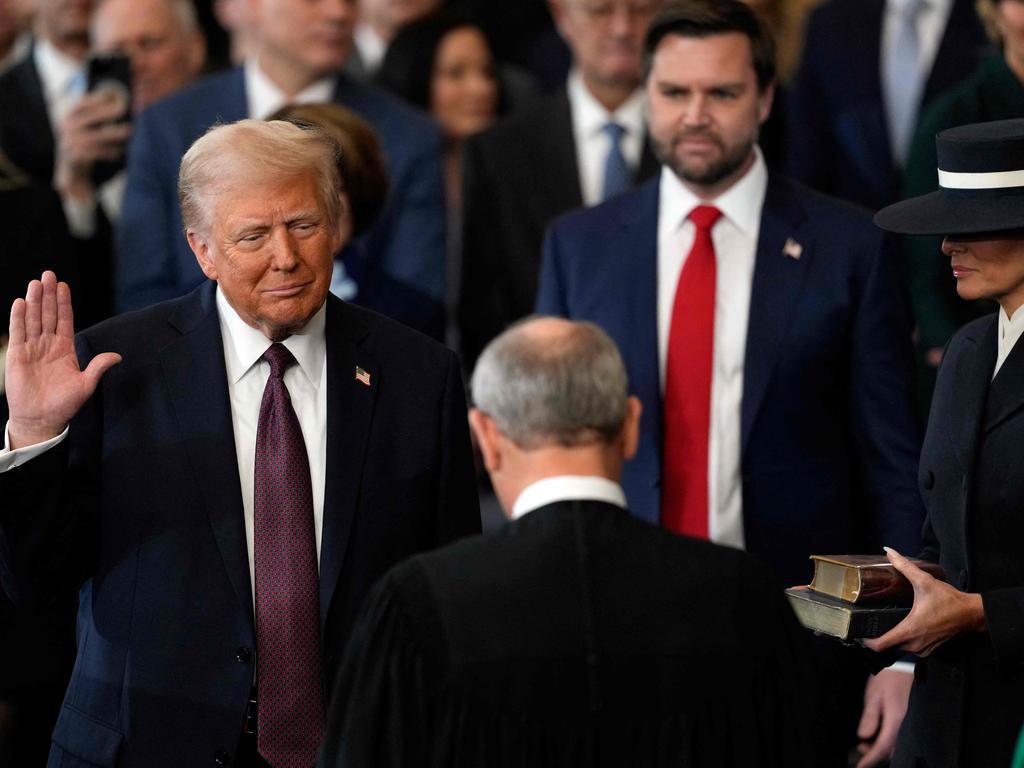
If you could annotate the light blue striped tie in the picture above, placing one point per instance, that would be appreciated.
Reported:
(617, 174)
(903, 81)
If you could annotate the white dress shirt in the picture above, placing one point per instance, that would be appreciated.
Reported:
(735, 240)
(307, 388)
(588, 120)
(265, 97)
(370, 47)
(19, 50)
(931, 25)
(247, 378)
(63, 81)
(567, 488)
(1010, 330)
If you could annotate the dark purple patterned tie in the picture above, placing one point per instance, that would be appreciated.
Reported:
(290, 685)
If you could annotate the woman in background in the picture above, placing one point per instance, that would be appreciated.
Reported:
(444, 64)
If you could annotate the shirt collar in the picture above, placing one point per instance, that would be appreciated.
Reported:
(568, 488)
(370, 46)
(590, 116)
(245, 345)
(265, 98)
(741, 203)
(57, 71)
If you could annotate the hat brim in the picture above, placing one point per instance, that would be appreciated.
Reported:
(940, 213)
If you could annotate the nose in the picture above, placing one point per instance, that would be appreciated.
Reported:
(284, 252)
(621, 22)
(952, 246)
(340, 10)
(696, 114)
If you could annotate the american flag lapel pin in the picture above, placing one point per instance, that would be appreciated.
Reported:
(362, 376)
(792, 249)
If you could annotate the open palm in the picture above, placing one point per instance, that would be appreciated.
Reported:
(45, 387)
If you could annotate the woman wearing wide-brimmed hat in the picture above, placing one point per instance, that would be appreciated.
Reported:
(967, 703)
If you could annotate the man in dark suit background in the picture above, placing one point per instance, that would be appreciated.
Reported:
(577, 635)
(210, 499)
(300, 47)
(868, 69)
(554, 156)
(770, 343)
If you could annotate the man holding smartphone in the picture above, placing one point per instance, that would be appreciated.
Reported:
(164, 50)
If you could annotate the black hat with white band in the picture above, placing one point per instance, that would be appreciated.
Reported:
(981, 184)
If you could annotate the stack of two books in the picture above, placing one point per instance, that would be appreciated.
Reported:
(855, 596)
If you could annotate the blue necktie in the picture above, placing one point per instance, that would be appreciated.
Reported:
(903, 80)
(617, 174)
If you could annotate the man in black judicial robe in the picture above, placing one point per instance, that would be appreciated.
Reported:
(577, 635)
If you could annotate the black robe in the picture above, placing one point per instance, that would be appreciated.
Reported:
(576, 636)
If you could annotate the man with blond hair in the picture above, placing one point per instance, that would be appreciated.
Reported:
(225, 474)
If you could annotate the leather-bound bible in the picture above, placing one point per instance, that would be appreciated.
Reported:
(866, 579)
(838, 618)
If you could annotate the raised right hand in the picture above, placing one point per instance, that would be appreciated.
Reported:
(45, 387)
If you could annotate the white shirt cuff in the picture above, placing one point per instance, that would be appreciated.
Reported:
(903, 666)
(10, 459)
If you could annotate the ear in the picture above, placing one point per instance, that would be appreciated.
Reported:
(631, 427)
(558, 14)
(201, 248)
(487, 438)
(764, 103)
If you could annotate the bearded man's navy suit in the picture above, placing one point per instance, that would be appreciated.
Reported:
(399, 264)
(141, 504)
(829, 441)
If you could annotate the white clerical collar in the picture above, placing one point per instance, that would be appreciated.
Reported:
(589, 116)
(265, 97)
(245, 345)
(1010, 330)
(568, 488)
(741, 203)
(57, 71)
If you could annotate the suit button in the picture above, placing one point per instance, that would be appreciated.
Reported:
(956, 677)
(220, 757)
(928, 480)
(243, 655)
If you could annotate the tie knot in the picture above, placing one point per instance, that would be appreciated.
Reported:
(280, 359)
(613, 131)
(705, 216)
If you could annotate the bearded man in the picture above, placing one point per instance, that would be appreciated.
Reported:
(766, 328)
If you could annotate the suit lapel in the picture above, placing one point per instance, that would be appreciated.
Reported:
(33, 150)
(555, 147)
(1005, 396)
(971, 377)
(196, 382)
(777, 287)
(349, 414)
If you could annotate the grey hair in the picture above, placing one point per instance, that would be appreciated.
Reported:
(184, 12)
(251, 153)
(568, 388)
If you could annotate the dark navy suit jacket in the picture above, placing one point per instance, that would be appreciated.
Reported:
(399, 264)
(142, 506)
(836, 135)
(829, 438)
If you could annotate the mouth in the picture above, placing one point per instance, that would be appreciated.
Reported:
(960, 271)
(286, 291)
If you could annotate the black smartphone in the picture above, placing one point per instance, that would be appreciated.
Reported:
(111, 72)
